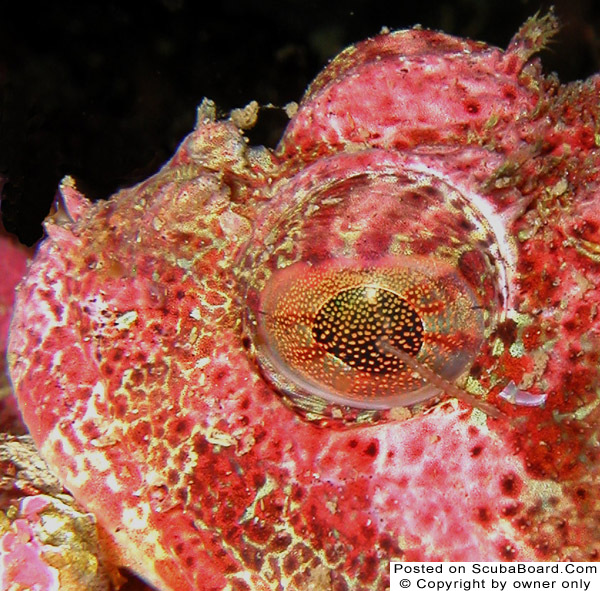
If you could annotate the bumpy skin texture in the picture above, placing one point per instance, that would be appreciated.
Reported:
(13, 264)
(47, 542)
(128, 355)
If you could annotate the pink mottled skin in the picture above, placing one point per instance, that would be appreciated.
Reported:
(46, 543)
(13, 265)
(138, 382)
(14, 259)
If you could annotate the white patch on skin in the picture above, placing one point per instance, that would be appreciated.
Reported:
(98, 460)
(519, 397)
(145, 560)
(154, 478)
(517, 349)
(57, 358)
(96, 305)
(91, 411)
(221, 438)
(473, 488)
(153, 539)
(584, 411)
(76, 478)
(80, 476)
(95, 413)
(125, 321)
(112, 483)
(269, 486)
(136, 518)
(236, 227)
(185, 264)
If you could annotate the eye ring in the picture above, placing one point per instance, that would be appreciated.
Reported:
(387, 224)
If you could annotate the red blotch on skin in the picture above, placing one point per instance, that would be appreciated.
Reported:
(587, 229)
(555, 450)
(472, 107)
(509, 93)
(484, 516)
(290, 564)
(532, 337)
(581, 318)
(372, 449)
(510, 510)
(507, 331)
(370, 567)
(476, 450)
(585, 138)
(214, 298)
(373, 245)
(511, 485)
(508, 552)
(141, 432)
(423, 136)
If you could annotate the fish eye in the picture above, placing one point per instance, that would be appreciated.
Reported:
(369, 291)
(321, 329)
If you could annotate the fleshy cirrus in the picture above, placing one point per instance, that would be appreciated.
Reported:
(283, 369)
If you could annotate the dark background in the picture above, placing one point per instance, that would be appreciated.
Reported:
(105, 92)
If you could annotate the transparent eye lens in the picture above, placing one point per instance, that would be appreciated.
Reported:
(321, 330)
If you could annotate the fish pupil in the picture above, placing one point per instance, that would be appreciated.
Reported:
(351, 324)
